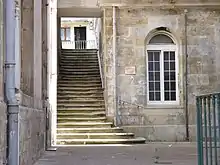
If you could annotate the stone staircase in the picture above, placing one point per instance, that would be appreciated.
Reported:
(81, 117)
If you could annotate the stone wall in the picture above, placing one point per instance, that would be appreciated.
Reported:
(161, 123)
(32, 134)
(32, 115)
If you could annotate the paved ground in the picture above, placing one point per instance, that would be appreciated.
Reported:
(175, 154)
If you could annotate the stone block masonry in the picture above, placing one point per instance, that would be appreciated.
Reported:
(161, 122)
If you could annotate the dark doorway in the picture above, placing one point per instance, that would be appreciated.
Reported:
(80, 37)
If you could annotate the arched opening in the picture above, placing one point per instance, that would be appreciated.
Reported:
(162, 69)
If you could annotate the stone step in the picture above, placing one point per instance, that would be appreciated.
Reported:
(78, 105)
(63, 109)
(90, 130)
(83, 64)
(79, 81)
(100, 141)
(83, 124)
(84, 79)
(67, 61)
(79, 76)
(79, 67)
(77, 85)
(80, 58)
(79, 70)
(63, 73)
(77, 57)
(95, 93)
(72, 98)
(80, 119)
(82, 89)
(95, 135)
(83, 102)
(80, 114)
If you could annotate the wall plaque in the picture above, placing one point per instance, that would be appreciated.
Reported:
(130, 70)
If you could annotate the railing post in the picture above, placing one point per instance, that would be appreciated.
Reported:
(214, 126)
(210, 129)
(199, 131)
(206, 133)
(218, 113)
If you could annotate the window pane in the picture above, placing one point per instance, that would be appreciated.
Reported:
(166, 65)
(151, 86)
(150, 56)
(173, 86)
(166, 76)
(172, 55)
(150, 66)
(151, 76)
(157, 96)
(167, 96)
(157, 86)
(166, 56)
(156, 56)
(157, 76)
(173, 96)
(151, 96)
(157, 66)
(166, 86)
(172, 76)
(172, 65)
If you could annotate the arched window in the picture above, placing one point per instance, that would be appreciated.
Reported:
(162, 69)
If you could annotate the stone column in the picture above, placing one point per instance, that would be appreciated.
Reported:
(37, 49)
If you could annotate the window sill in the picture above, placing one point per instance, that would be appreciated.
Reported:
(163, 106)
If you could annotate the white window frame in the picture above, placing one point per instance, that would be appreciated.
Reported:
(161, 49)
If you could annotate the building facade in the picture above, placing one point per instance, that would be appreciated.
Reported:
(157, 57)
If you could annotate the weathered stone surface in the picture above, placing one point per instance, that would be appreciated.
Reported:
(133, 27)
(32, 134)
